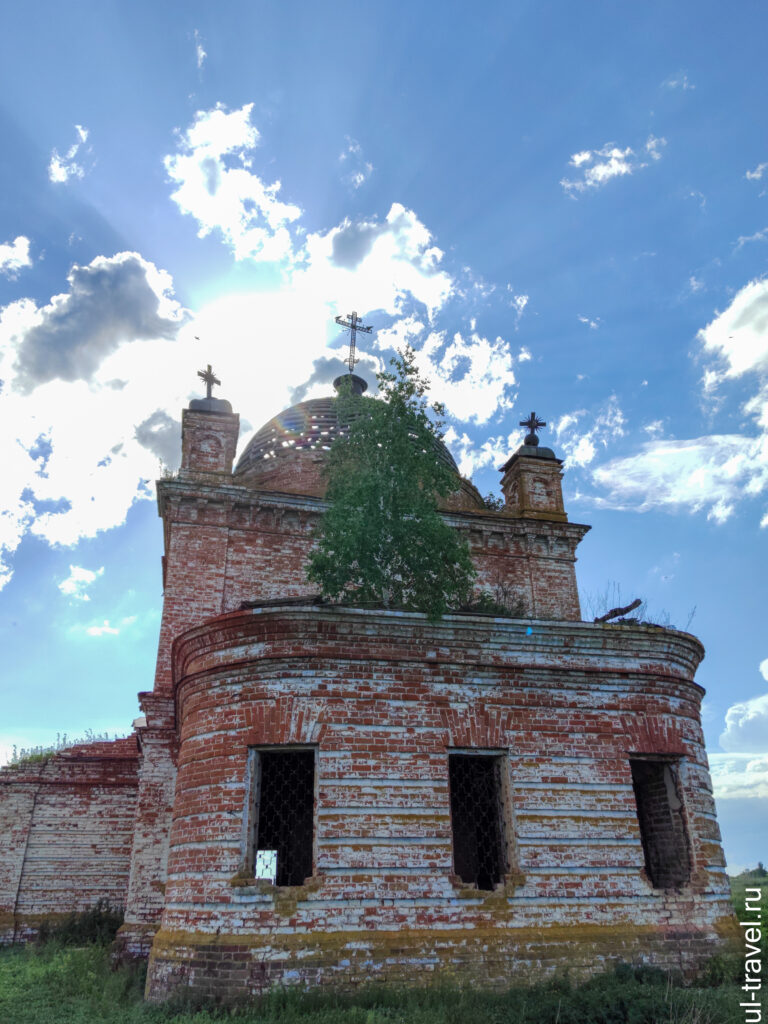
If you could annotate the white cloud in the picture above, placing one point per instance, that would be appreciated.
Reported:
(698, 474)
(713, 473)
(738, 337)
(62, 168)
(109, 302)
(200, 53)
(359, 169)
(471, 375)
(104, 630)
(678, 81)
(76, 389)
(739, 776)
(593, 324)
(599, 166)
(758, 172)
(694, 284)
(14, 256)
(746, 726)
(518, 303)
(700, 198)
(653, 147)
(78, 581)
(375, 264)
(759, 236)
(524, 355)
(580, 446)
(95, 379)
(214, 184)
(470, 457)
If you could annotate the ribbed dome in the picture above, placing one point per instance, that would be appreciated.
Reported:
(308, 426)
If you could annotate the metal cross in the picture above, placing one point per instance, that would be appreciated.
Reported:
(533, 423)
(210, 379)
(353, 325)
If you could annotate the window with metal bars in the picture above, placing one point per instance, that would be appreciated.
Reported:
(281, 829)
(662, 824)
(477, 818)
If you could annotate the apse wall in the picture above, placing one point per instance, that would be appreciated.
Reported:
(382, 701)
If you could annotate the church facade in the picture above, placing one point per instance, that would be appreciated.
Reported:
(322, 794)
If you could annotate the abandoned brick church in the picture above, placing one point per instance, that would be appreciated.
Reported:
(326, 794)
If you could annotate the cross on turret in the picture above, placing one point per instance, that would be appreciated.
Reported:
(210, 379)
(353, 325)
(533, 423)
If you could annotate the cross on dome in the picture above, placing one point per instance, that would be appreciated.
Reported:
(533, 423)
(353, 324)
(210, 379)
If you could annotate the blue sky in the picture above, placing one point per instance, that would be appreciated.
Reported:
(562, 206)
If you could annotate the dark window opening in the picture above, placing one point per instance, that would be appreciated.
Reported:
(477, 819)
(662, 826)
(285, 798)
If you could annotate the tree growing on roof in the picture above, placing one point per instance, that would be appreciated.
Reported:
(382, 540)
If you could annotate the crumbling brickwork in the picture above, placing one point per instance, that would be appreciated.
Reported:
(594, 771)
(67, 828)
(383, 699)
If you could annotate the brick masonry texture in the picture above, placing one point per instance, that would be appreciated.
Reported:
(67, 829)
(248, 659)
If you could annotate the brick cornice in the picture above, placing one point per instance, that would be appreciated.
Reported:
(234, 640)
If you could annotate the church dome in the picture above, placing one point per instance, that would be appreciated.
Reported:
(288, 453)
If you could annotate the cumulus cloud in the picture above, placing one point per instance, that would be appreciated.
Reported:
(471, 375)
(598, 166)
(739, 776)
(737, 341)
(94, 380)
(357, 169)
(470, 456)
(62, 168)
(712, 473)
(79, 579)
(83, 376)
(758, 172)
(367, 265)
(110, 301)
(215, 185)
(746, 726)
(161, 435)
(14, 256)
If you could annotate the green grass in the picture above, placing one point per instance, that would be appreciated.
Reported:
(57, 984)
(67, 981)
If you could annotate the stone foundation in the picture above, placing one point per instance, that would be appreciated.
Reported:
(228, 968)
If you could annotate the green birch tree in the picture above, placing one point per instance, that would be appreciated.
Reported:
(382, 541)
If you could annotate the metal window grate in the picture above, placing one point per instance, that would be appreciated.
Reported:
(285, 816)
(477, 819)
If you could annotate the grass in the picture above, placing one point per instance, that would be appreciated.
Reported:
(57, 982)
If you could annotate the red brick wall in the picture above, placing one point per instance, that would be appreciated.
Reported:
(66, 827)
(383, 697)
